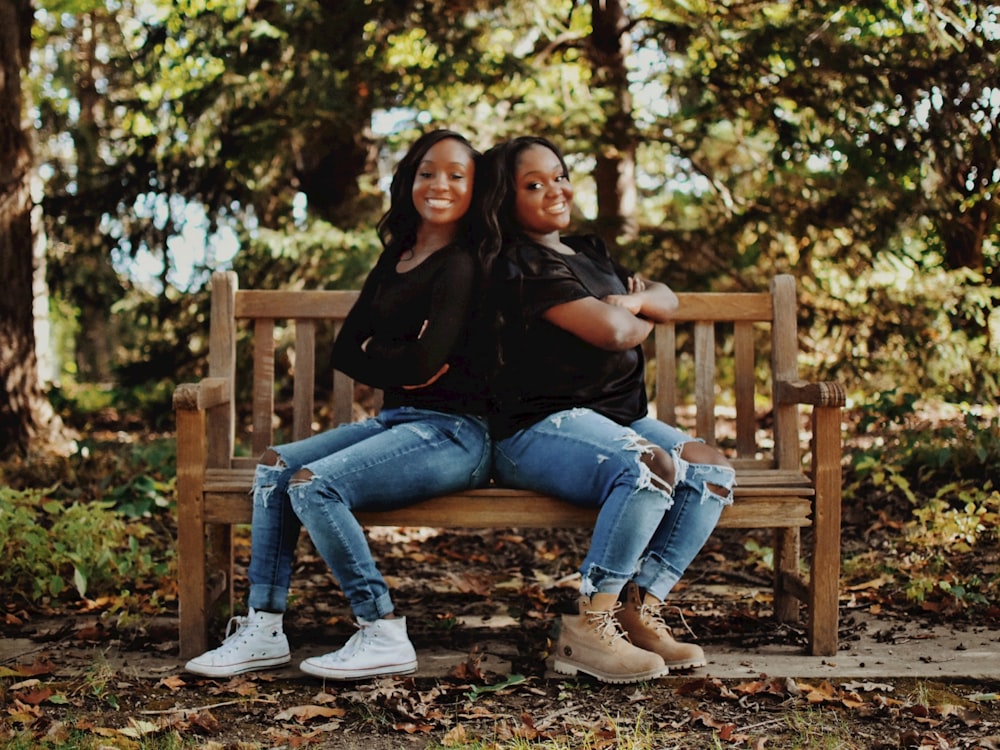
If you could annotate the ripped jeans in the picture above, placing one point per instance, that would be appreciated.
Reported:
(642, 533)
(398, 458)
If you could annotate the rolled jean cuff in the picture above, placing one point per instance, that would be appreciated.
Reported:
(597, 580)
(373, 609)
(657, 577)
(267, 598)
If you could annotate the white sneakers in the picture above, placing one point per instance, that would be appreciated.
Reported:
(257, 643)
(378, 648)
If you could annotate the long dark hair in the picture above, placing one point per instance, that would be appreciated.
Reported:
(397, 229)
(496, 226)
(496, 191)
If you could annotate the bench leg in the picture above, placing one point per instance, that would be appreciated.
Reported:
(787, 554)
(824, 582)
(219, 597)
(191, 531)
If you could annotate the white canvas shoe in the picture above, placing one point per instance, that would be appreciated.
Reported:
(258, 642)
(378, 648)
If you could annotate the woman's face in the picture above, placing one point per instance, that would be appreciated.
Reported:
(442, 185)
(543, 196)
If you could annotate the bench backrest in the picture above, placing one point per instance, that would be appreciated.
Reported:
(721, 357)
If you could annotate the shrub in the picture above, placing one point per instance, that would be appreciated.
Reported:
(51, 549)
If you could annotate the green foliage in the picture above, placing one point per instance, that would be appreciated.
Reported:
(90, 526)
(53, 549)
(940, 480)
(878, 187)
(84, 739)
(936, 458)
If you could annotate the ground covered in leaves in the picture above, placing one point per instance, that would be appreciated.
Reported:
(449, 585)
(103, 673)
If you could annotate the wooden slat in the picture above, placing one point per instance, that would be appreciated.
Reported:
(665, 340)
(784, 366)
(305, 378)
(504, 508)
(744, 373)
(238, 480)
(263, 385)
(343, 392)
(695, 306)
(704, 380)
(761, 501)
(294, 304)
(328, 304)
(221, 420)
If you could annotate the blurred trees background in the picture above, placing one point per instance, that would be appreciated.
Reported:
(855, 145)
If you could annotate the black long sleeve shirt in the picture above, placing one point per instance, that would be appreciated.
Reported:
(391, 311)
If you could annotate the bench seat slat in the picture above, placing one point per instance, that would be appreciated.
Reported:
(521, 509)
(790, 482)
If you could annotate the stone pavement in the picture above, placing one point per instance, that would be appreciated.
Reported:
(876, 649)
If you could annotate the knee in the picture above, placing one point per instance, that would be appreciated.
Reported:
(302, 476)
(269, 457)
(700, 453)
(660, 464)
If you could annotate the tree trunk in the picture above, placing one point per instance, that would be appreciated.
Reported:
(614, 172)
(26, 418)
(96, 291)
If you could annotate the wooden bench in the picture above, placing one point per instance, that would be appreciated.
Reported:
(710, 353)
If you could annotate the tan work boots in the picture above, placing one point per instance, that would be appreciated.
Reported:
(593, 642)
(646, 629)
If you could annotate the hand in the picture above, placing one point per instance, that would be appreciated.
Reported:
(635, 285)
(433, 378)
(627, 301)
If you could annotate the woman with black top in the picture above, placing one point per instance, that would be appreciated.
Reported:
(572, 417)
(410, 334)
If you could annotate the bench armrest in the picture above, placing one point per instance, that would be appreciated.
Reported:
(203, 395)
(827, 393)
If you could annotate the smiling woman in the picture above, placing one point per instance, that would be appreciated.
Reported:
(409, 333)
(571, 419)
(441, 194)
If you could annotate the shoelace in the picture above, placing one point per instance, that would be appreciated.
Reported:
(605, 623)
(233, 635)
(652, 614)
(355, 644)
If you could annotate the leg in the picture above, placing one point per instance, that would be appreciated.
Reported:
(704, 481)
(421, 454)
(275, 527)
(588, 459)
(258, 641)
(704, 486)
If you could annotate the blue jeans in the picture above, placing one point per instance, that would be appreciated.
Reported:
(643, 532)
(398, 458)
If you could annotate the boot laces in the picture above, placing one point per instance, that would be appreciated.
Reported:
(652, 615)
(605, 623)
